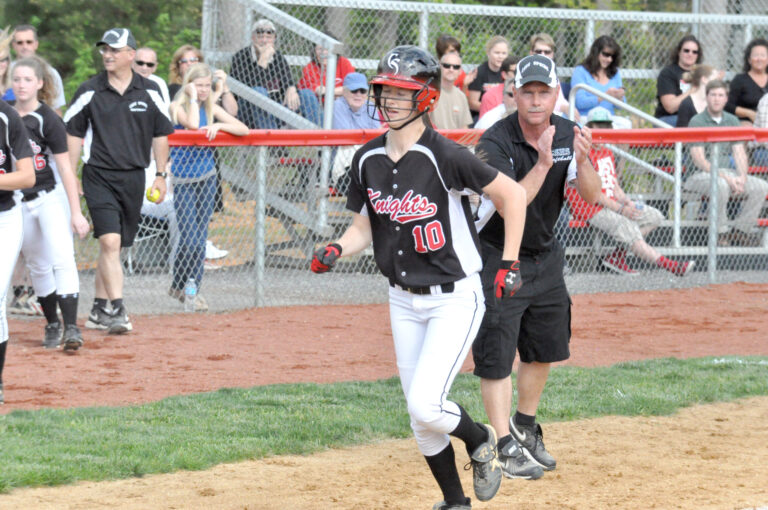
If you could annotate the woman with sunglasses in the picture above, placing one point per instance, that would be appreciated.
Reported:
(600, 70)
(671, 90)
(748, 87)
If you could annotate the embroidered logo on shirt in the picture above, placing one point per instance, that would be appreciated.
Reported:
(2, 158)
(412, 207)
(138, 106)
(561, 154)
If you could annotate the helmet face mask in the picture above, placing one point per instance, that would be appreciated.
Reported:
(409, 68)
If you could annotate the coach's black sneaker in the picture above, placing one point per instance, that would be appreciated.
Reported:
(453, 506)
(515, 464)
(73, 339)
(531, 438)
(52, 338)
(99, 318)
(119, 322)
(486, 470)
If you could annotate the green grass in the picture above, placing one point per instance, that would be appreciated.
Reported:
(52, 447)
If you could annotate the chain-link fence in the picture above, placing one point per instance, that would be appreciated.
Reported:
(368, 30)
(276, 208)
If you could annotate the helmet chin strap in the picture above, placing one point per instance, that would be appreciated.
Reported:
(414, 118)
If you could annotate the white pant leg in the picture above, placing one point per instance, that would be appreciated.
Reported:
(11, 232)
(48, 245)
(432, 336)
(700, 183)
(755, 190)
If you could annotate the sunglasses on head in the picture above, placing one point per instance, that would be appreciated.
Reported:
(146, 64)
(688, 50)
(359, 91)
(607, 55)
(189, 60)
(265, 31)
(455, 67)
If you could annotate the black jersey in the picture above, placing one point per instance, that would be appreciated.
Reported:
(421, 222)
(48, 137)
(14, 144)
(118, 129)
(504, 147)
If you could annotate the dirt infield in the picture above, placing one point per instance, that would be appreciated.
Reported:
(705, 457)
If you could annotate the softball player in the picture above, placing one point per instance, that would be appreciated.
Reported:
(16, 172)
(409, 194)
(47, 208)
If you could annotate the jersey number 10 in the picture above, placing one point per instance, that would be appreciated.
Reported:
(430, 238)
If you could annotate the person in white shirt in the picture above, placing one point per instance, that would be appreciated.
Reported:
(145, 64)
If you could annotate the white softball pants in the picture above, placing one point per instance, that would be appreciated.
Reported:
(432, 336)
(48, 247)
(11, 232)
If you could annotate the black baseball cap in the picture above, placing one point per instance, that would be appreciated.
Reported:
(536, 68)
(118, 38)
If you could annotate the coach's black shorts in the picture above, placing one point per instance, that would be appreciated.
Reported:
(536, 321)
(114, 200)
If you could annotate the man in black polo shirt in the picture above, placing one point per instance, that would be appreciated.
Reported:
(121, 116)
(544, 153)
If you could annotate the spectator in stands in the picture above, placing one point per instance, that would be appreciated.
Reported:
(750, 86)
(731, 182)
(493, 96)
(260, 66)
(488, 73)
(194, 175)
(543, 44)
(760, 155)
(508, 105)
(696, 102)
(25, 45)
(449, 44)
(181, 61)
(353, 110)
(616, 214)
(313, 74)
(452, 110)
(600, 70)
(671, 90)
(6, 92)
(145, 64)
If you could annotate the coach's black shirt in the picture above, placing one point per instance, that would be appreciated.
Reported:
(118, 129)
(14, 145)
(48, 137)
(418, 208)
(503, 146)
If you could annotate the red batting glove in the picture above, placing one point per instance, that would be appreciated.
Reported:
(324, 258)
(508, 280)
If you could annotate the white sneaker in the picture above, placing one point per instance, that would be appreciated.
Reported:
(212, 252)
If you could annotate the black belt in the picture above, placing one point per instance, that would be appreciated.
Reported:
(446, 288)
(31, 196)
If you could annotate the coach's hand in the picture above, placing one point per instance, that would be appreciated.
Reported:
(508, 280)
(159, 185)
(324, 258)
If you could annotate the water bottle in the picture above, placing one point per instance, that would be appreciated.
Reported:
(190, 295)
(639, 204)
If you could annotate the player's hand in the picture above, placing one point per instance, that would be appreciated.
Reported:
(508, 280)
(159, 185)
(582, 143)
(325, 257)
(80, 225)
(544, 146)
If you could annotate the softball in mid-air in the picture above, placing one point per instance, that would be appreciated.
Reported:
(153, 194)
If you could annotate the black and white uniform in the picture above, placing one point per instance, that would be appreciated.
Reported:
(14, 145)
(118, 132)
(48, 247)
(425, 243)
(536, 319)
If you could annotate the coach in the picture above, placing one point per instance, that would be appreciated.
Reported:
(544, 153)
(122, 118)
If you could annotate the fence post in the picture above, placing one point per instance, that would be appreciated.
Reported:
(260, 212)
(589, 36)
(424, 29)
(713, 182)
(676, 213)
(208, 28)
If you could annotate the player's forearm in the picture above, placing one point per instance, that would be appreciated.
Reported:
(69, 181)
(514, 207)
(74, 146)
(23, 177)
(357, 237)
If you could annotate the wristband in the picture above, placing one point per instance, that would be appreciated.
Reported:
(164, 175)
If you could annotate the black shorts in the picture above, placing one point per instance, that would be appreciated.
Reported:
(536, 321)
(114, 200)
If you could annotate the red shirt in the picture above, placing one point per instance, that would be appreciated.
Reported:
(312, 77)
(602, 159)
(492, 98)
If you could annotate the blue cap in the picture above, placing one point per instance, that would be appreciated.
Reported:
(355, 81)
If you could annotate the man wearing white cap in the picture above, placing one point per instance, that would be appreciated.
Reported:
(122, 118)
(544, 153)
